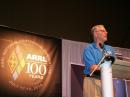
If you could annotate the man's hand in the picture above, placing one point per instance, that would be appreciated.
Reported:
(93, 67)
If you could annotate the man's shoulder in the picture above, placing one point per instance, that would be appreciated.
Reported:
(108, 46)
(89, 46)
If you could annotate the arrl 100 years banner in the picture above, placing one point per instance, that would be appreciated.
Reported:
(30, 64)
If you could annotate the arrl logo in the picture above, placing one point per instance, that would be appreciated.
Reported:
(36, 69)
(36, 65)
(28, 64)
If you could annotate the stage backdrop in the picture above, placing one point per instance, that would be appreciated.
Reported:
(30, 64)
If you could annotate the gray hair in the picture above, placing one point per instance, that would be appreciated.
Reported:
(95, 27)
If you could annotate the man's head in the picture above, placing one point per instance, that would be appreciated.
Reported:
(99, 33)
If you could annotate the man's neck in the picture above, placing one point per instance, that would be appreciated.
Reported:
(100, 45)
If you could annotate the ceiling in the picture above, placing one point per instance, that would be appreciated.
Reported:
(69, 19)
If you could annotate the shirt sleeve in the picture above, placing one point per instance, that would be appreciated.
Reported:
(88, 58)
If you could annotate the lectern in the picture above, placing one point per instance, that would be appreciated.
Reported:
(121, 77)
(121, 69)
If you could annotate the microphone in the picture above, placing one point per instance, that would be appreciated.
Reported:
(108, 56)
(107, 53)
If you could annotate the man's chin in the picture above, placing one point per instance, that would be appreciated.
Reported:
(105, 39)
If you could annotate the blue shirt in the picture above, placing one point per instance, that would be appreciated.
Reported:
(92, 55)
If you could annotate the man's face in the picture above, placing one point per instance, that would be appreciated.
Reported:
(101, 34)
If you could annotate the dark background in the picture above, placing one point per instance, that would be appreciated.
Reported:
(69, 19)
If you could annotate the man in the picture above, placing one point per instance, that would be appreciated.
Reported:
(92, 55)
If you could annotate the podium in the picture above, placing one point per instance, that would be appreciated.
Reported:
(116, 74)
(121, 69)
(120, 74)
(121, 78)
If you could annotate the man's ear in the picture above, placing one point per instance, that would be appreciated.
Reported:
(95, 35)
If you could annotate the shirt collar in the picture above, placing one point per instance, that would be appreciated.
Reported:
(95, 46)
